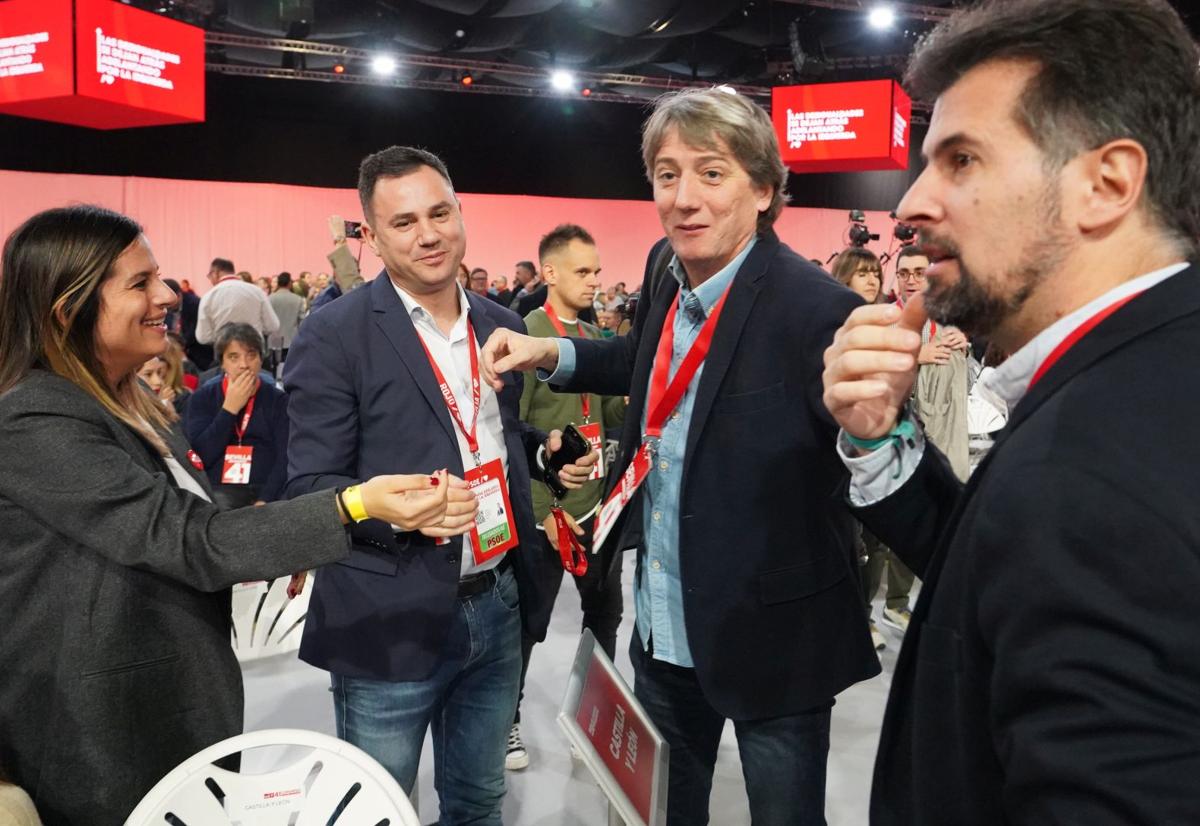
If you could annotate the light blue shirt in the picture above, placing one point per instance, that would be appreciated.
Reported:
(658, 589)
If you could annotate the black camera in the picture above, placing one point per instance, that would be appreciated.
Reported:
(905, 233)
(354, 229)
(860, 235)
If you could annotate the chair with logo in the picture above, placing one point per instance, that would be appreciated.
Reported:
(331, 782)
(265, 621)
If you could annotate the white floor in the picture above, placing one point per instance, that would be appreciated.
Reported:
(283, 692)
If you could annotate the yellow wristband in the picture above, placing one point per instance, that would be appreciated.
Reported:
(355, 509)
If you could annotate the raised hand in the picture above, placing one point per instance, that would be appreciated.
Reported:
(871, 366)
(506, 350)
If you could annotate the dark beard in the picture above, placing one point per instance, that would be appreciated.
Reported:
(970, 305)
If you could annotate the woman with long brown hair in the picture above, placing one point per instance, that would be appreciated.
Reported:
(115, 567)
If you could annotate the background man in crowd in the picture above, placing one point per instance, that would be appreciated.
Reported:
(1050, 671)
(421, 629)
(477, 282)
(571, 269)
(289, 308)
(747, 608)
(232, 300)
(525, 280)
(500, 292)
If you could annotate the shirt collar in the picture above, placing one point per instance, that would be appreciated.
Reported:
(1011, 379)
(420, 315)
(698, 303)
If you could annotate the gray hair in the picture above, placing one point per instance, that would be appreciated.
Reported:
(701, 116)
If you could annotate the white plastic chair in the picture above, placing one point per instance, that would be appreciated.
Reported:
(332, 783)
(265, 621)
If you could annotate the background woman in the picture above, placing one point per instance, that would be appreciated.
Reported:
(238, 423)
(114, 565)
(859, 269)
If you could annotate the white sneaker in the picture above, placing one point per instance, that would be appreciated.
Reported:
(897, 619)
(515, 757)
(877, 639)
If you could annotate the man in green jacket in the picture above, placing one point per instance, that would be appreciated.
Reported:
(570, 266)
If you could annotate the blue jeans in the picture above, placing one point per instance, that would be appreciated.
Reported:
(469, 701)
(783, 758)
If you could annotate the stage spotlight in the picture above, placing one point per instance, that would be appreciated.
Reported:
(562, 80)
(338, 69)
(586, 92)
(467, 79)
(881, 17)
(384, 65)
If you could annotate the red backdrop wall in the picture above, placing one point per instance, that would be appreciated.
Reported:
(266, 228)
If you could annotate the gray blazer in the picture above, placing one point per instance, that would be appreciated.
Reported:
(114, 602)
(290, 308)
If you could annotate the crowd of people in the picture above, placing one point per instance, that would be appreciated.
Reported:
(767, 438)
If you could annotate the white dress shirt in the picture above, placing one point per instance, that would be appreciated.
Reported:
(878, 474)
(232, 300)
(454, 360)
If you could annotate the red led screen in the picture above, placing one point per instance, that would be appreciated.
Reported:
(129, 68)
(35, 50)
(842, 127)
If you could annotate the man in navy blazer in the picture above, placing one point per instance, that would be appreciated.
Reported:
(746, 598)
(419, 629)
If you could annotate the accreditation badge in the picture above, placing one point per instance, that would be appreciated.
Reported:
(631, 480)
(236, 470)
(595, 437)
(495, 530)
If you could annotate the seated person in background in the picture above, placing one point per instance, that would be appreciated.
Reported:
(238, 424)
(154, 373)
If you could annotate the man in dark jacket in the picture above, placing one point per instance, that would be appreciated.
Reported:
(1051, 668)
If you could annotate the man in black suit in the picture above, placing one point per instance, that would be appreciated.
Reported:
(1051, 669)
(746, 591)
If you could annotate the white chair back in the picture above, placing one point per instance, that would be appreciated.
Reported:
(265, 621)
(333, 782)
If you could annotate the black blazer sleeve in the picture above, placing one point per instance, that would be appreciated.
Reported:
(209, 427)
(912, 519)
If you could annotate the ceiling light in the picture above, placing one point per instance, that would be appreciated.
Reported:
(467, 79)
(562, 80)
(384, 65)
(586, 92)
(338, 68)
(881, 17)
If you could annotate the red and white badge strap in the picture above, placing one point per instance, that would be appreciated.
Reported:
(225, 278)
(471, 434)
(584, 399)
(243, 423)
(662, 400)
(1078, 333)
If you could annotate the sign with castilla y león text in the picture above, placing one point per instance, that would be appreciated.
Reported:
(616, 739)
(842, 127)
(99, 63)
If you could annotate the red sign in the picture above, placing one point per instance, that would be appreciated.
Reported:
(99, 63)
(620, 738)
(842, 127)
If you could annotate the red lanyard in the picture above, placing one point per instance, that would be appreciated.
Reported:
(585, 400)
(223, 279)
(239, 427)
(1076, 334)
(663, 398)
(574, 557)
(448, 394)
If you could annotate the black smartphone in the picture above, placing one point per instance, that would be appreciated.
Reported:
(574, 447)
(353, 229)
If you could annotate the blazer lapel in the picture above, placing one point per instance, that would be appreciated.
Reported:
(396, 325)
(1163, 303)
(742, 294)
